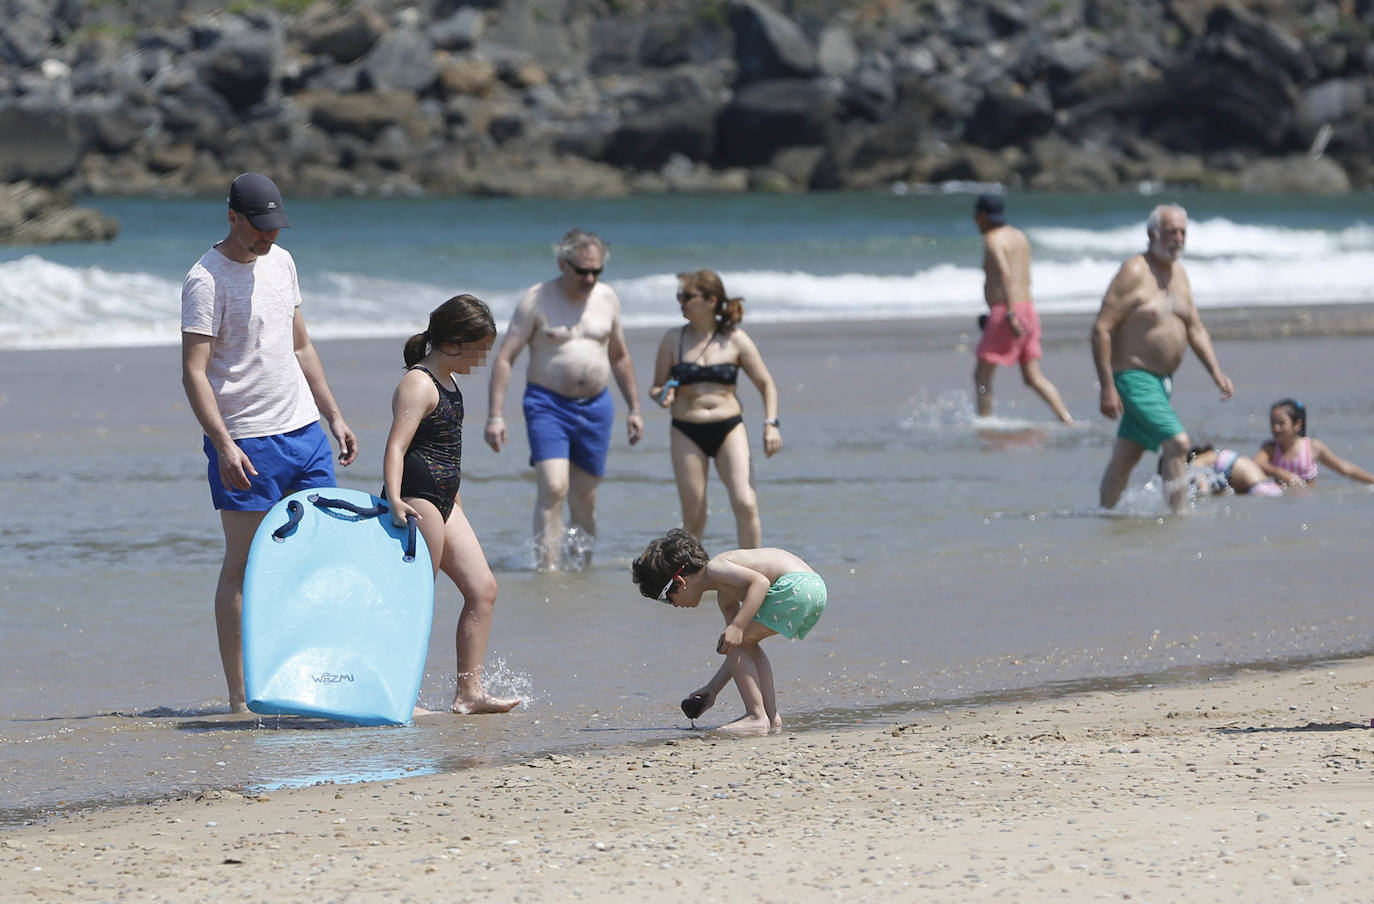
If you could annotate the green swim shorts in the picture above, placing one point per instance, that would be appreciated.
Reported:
(1147, 417)
(794, 604)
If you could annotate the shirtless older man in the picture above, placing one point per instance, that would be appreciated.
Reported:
(572, 327)
(1139, 337)
(1011, 333)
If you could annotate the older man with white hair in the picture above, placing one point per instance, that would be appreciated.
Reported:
(1146, 322)
(573, 328)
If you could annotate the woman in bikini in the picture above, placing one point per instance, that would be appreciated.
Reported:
(695, 375)
(422, 467)
(1291, 457)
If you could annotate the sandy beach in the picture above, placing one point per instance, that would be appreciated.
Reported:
(1252, 787)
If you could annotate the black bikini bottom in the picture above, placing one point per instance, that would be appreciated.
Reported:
(710, 435)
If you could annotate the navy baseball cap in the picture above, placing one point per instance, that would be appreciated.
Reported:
(257, 198)
(992, 206)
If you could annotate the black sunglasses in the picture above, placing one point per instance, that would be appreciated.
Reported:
(585, 271)
(687, 296)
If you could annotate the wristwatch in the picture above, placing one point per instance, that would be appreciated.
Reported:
(772, 422)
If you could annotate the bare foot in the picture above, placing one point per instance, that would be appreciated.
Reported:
(239, 707)
(485, 703)
(747, 725)
(421, 711)
(777, 723)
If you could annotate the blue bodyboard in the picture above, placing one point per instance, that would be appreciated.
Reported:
(336, 617)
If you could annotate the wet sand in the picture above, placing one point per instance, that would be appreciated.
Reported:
(1254, 788)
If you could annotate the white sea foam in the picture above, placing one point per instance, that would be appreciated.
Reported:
(44, 304)
(1213, 239)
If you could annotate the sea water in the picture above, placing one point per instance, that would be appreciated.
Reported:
(376, 267)
(966, 557)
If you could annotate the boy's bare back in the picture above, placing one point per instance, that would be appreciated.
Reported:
(768, 561)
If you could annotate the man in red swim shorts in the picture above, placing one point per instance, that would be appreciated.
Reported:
(1011, 333)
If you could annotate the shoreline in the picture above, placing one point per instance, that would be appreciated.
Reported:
(805, 723)
(1255, 783)
(1354, 318)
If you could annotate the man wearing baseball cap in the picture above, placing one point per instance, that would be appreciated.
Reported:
(256, 384)
(1011, 327)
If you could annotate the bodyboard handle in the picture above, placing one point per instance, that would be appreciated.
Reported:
(324, 502)
(294, 512)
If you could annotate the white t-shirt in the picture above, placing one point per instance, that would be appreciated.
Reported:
(249, 309)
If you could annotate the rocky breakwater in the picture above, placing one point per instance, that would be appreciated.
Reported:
(605, 97)
(33, 215)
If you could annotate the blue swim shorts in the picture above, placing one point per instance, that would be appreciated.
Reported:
(285, 462)
(576, 429)
(1147, 418)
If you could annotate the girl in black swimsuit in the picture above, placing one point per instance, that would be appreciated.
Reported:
(422, 467)
(695, 375)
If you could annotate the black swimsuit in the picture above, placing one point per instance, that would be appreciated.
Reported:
(434, 461)
(710, 435)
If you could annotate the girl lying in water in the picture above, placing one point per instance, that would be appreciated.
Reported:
(1218, 470)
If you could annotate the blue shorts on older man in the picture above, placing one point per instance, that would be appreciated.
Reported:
(563, 427)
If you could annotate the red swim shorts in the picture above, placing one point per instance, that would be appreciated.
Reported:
(1001, 346)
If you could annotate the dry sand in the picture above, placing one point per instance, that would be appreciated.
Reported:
(1251, 788)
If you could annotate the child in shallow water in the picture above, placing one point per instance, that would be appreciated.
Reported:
(1223, 469)
(761, 592)
(1291, 457)
(422, 468)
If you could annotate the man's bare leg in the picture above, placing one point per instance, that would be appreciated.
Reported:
(239, 528)
(982, 386)
(1125, 454)
(1036, 380)
(1173, 464)
(582, 512)
(552, 475)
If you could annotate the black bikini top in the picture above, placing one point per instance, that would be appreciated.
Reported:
(685, 372)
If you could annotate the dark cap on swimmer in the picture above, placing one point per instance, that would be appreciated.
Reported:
(258, 198)
(993, 207)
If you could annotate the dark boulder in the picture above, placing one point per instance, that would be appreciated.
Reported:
(345, 35)
(110, 125)
(43, 145)
(33, 215)
(768, 45)
(460, 31)
(361, 115)
(1058, 165)
(768, 116)
(1010, 113)
(242, 67)
(28, 29)
(870, 90)
(650, 139)
(1238, 88)
(403, 60)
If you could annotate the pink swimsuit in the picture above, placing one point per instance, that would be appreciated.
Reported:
(1302, 464)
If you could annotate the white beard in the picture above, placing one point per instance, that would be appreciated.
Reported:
(1158, 250)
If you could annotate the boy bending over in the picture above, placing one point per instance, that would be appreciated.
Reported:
(761, 592)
